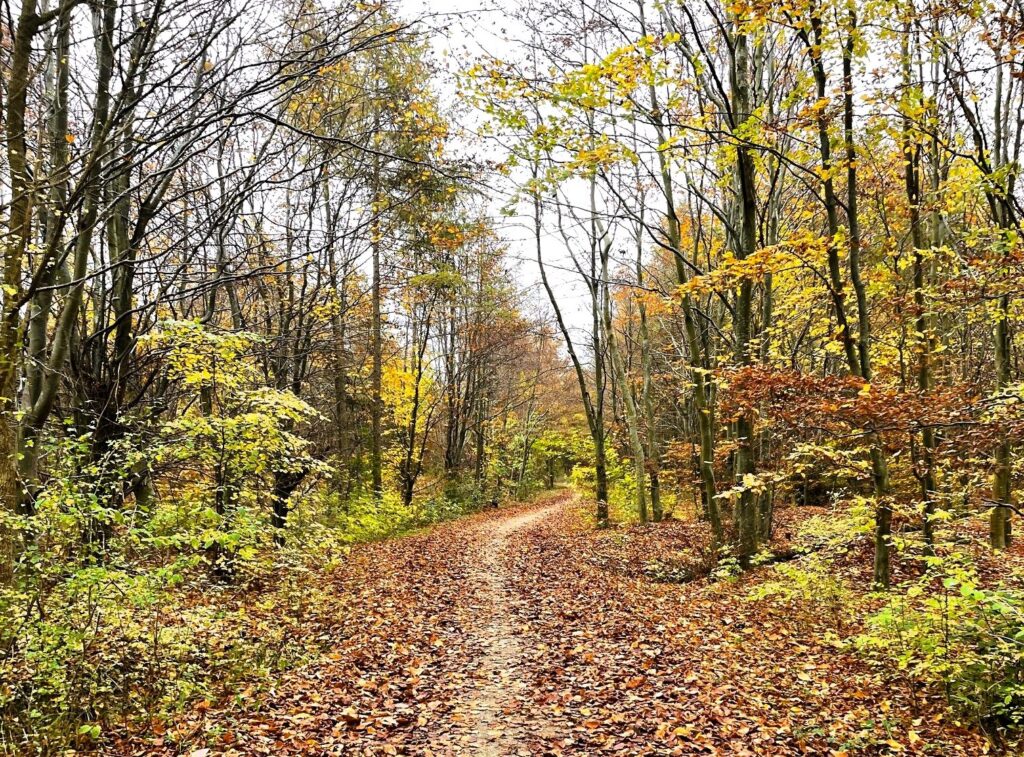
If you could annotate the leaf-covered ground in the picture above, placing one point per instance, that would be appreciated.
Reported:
(524, 632)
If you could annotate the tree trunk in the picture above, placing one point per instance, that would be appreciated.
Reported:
(698, 356)
(376, 401)
(632, 417)
(592, 410)
(15, 248)
(285, 484)
(747, 531)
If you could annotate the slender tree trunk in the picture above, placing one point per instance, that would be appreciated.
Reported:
(1002, 208)
(285, 484)
(37, 407)
(912, 180)
(629, 403)
(1002, 481)
(376, 401)
(592, 410)
(748, 532)
(410, 464)
(857, 353)
(651, 439)
(18, 235)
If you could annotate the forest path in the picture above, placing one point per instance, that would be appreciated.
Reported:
(494, 706)
(433, 649)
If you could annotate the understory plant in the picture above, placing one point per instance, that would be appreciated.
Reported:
(951, 630)
(809, 580)
(115, 617)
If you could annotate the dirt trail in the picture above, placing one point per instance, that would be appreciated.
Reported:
(500, 690)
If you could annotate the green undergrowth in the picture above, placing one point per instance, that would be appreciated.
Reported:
(947, 627)
(181, 608)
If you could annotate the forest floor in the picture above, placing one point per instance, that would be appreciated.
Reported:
(525, 631)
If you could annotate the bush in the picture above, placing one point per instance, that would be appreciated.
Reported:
(949, 630)
(813, 587)
(810, 584)
(87, 643)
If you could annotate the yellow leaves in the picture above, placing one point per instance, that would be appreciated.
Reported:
(834, 346)
(69, 138)
(739, 8)
(616, 77)
(752, 15)
(733, 271)
(339, 68)
(198, 356)
(816, 109)
(601, 154)
(669, 143)
(750, 129)
(749, 483)
(654, 304)
(401, 391)
(752, 482)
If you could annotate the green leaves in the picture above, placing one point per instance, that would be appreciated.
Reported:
(91, 730)
(952, 630)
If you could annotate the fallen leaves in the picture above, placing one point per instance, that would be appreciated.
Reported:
(525, 632)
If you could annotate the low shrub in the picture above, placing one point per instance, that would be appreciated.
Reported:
(950, 630)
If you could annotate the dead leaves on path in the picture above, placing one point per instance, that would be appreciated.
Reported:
(600, 660)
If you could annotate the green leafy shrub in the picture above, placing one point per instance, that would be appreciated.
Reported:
(950, 630)
(728, 567)
(90, 642)
(808, 581)
(813, 588)
(117, 536)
